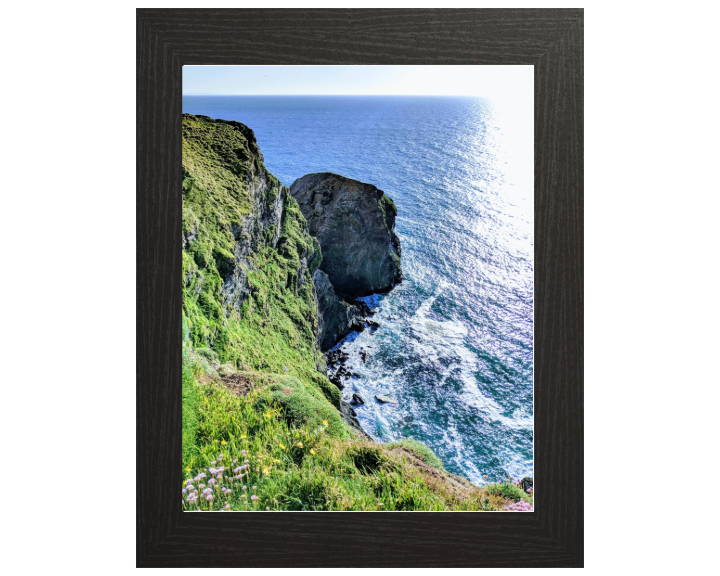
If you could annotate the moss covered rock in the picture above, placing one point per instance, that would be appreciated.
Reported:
(248, 259)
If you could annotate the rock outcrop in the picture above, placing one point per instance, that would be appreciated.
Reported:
(223, 169)
(355, 224)
(253, 291)
(350, 417)
(248, 259)
(336, 318)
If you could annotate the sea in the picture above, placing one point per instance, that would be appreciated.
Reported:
(455, 344)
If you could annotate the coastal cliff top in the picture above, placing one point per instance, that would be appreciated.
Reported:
(219, 155)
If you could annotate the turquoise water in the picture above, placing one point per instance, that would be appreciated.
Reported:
(455, 345)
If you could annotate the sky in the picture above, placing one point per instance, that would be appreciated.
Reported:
(495, 82)
(510, 88)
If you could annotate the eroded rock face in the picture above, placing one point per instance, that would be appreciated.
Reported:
(355, 224)
(335, 317)
(248, 258)
(348, 414)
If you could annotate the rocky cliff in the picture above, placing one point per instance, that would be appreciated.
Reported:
(254, 294)
(336, 318)
(248, 259)
(355, 224)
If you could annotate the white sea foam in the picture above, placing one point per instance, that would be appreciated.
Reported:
(432, 338)
(473, 396)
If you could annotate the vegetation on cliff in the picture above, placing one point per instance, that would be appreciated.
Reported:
(272, 329)
(254, 451)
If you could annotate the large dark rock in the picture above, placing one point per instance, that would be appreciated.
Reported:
(335, 317)
(355, 224)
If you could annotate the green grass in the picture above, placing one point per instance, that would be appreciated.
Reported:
(211, 355)
(296, 460)
(509, 491)
(421, 451)
(304, 405)
(189, 412)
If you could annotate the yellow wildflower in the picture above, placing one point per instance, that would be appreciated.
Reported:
(325, 423)
(187, 469)
(266, 470)
(282, 445)
(242, 436)
(312, 451)
(223, 442)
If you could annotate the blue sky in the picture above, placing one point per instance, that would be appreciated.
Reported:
(488, 81)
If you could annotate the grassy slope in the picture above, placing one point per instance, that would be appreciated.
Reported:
(301, 455)
(298, 460)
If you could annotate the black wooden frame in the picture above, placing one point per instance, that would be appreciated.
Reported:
(549, 39)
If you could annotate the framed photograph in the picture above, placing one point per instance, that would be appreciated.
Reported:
(360, 275)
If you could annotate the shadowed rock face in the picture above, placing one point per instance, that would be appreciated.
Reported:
(335, 317)
(355, 224)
